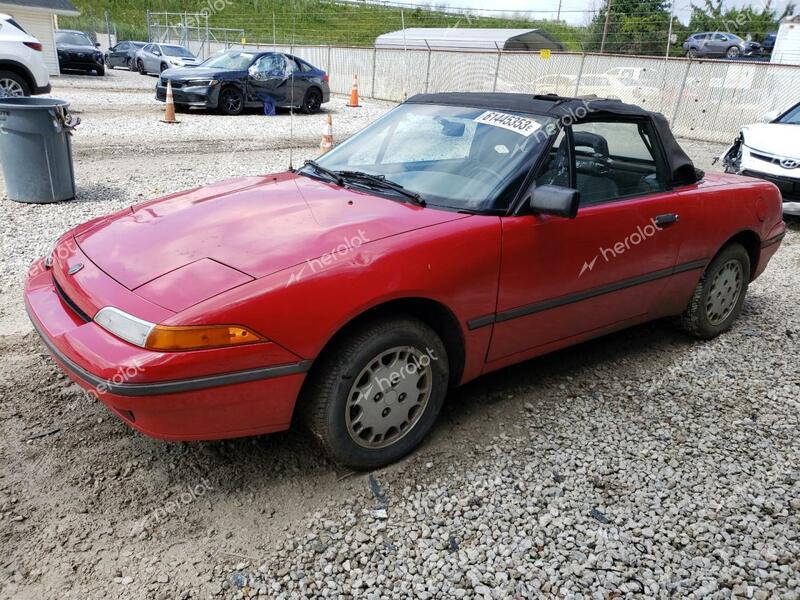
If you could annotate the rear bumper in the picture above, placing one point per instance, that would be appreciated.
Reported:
(44, 89)
(137, 385)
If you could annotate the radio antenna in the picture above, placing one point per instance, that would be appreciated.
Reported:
(291, 104)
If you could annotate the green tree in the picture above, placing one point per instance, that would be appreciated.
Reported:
(712, 16)
(634, 27)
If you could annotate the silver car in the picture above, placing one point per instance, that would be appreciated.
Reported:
(156, 58)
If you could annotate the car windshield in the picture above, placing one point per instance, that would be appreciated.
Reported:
(238, 61)
(74, 39)
(451, 156)
(177, 51)
(792, 117)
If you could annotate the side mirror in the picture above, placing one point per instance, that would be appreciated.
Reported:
(97, 44)
(769, 117)
(555, 200)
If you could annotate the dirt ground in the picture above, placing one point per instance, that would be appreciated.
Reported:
(76, 484)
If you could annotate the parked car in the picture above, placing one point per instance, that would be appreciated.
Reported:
(719, 44)
(157, 58)
(123, 54)
(22, 68)
(771, 151)
(458, 234)
(768, 45)
(237, 79)
(77, 52)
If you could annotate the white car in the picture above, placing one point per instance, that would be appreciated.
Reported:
(771, 150)
(156, 58)
(22, 68)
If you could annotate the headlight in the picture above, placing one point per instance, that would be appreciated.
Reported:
(172, 339)
(202, 82)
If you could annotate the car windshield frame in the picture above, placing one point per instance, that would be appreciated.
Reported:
(498, 148)
(790, 117)
(231, 54)
(73, 37)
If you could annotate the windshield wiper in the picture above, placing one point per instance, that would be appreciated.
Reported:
(332, 175)
(381, 182)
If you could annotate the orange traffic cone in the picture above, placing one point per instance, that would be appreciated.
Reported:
(327, 136)
(354, 94)
(169, 109)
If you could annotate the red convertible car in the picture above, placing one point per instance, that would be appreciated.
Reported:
(456, 235)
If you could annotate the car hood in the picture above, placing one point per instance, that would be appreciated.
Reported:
(199, 71)
(773, 138)
(255, 226)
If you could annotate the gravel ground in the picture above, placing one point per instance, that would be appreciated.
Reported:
(642, 464)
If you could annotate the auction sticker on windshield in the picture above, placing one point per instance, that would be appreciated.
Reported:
(515, 123)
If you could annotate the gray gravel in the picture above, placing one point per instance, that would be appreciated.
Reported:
(642, 464)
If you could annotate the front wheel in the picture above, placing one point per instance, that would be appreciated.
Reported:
(130, 64)
(375, 396)
(100, 70)
(140, 67)
(719, 295)
(733, 52)
(231, 101)
(691, 53)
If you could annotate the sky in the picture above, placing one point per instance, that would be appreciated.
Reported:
(579, 12)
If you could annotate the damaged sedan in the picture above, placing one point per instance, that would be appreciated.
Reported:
(770, 150)
(235, 80)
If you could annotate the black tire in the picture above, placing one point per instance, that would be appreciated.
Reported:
(163, 67)
(704, 318)
(325, 404)
(691, 53)
(100, 71)
(130, 64)
(231, 101)
(733, 52)
(312, 101)
(14, 85)
(140, 67)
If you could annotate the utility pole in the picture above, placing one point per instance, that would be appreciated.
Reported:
(274, 30)
(605, 26)
(108, 30)
(558, 15)
(669, 33)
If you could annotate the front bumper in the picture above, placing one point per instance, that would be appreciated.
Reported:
(164, 395)
(788, 186)
(72, 62)
(197, 96)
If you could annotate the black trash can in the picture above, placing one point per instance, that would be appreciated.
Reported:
(35, 149)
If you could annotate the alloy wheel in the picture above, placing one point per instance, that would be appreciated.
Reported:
(313, 101)
(10, 89)
(723, 294)
(388, 397)
(733, 52)
(231, 101)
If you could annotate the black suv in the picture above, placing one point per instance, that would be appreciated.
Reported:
(77, 51)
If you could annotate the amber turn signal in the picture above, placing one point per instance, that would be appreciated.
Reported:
(172, 339)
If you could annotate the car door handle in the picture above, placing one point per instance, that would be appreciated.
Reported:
(664, 220)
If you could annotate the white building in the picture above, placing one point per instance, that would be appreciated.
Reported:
(456, 38)
(787, 42)
(38, 18)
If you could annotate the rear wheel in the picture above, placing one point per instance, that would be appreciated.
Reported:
(719, 295)
(375, 396)
(231, 101)
(12, 85)
(312, 101)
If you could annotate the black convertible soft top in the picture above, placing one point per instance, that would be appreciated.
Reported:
(681, 169)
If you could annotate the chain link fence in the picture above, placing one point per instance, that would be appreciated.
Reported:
(707, 100)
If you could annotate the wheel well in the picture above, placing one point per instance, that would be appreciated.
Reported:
(20, 70)
(434, 314)
(751, 242)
